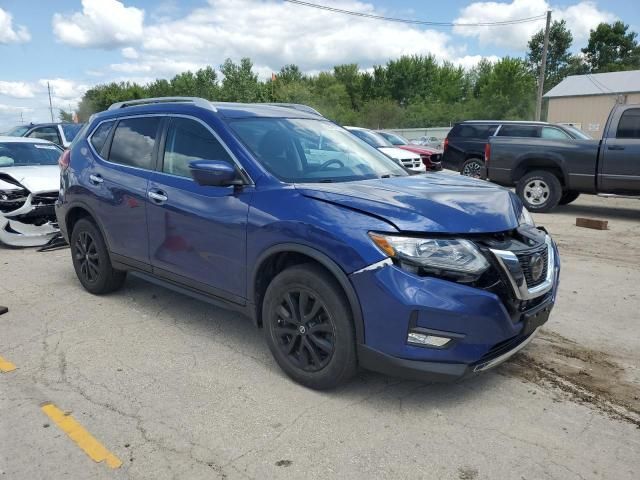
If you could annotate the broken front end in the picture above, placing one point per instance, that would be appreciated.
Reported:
(27, 219)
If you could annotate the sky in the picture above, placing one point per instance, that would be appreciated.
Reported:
(76, 44)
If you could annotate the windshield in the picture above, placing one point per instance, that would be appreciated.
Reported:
(20, 154)
(394, 139)
(307, 151)
(17, 131)
(372, 138)
(71, 130)
(576, 132)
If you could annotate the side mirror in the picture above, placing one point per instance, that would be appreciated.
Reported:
(214, 173)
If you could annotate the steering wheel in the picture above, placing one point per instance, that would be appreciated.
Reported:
(331, 162)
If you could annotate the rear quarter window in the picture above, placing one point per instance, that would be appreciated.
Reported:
(99, 137)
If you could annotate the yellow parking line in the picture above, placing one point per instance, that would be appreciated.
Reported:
(92, 447)
(6, 366)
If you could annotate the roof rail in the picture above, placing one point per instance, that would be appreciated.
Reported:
(198, 102)
(297, 106)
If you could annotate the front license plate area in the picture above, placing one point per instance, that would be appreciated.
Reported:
(534, 320)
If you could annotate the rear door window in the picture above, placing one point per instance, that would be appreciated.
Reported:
(629, 126)
(134, 142)
(519, 131)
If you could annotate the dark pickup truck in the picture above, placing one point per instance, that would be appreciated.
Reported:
(548, 172)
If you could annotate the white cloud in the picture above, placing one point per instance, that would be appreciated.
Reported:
(580, 17)
(64, 93)
(130, 52)
(13, 109)
(16, 89)
(101, 24)
(264, 31)
(9, 33)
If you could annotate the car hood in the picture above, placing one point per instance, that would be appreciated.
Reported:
(398, 153)
(419, 149)
(434, 202)
(36, 178)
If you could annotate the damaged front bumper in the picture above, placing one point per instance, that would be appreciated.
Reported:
(32, 224)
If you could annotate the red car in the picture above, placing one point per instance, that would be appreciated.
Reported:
(430, 156)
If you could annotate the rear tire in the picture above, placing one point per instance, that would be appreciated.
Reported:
(539, 190)
(474, 167)
(91, 259)
(568, 197)
(308, 327)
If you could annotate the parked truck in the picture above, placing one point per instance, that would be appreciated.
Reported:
(549, 171)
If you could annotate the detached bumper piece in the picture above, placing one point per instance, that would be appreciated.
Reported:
(27, 220)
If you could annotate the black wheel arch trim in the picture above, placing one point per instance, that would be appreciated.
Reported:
(82, 205)
(325, 261)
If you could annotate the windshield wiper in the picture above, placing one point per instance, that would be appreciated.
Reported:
(326, 180)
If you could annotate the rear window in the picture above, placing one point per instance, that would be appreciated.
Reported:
(134, 141)
(20, 154)
(518, 131)
(467, 130)
(629, 126)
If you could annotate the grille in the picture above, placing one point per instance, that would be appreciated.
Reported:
(46, 198)
(411, 163)
(526, 262)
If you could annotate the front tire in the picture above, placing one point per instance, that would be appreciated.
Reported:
(474, 167)
(91, 259)
(568, 197)
(539, 190)
(308, 327)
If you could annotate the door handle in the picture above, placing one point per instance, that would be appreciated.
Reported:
(615, 147)
(96, 179)
(157, 196)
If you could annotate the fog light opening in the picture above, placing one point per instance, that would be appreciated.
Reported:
(423, 339)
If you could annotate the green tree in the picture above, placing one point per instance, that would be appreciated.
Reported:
(349, 76)
(611, 48)
(558, 55)
(65, 116)
(509, 91)
(240, 84)
(381, 113)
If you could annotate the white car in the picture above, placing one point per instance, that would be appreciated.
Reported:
(409, 160)
(29, 184)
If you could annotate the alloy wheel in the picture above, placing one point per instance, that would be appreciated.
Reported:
(472, 169)
(536, 192)
(86, 254)
(304, 330)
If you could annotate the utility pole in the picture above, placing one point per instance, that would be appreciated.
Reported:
(543, 68)
(50, 104)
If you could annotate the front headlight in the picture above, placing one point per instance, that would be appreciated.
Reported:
(456, 258)
(526, 218)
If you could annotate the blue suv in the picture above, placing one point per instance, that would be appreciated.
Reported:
(338, 253)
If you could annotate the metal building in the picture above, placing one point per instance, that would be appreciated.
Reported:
(585, 100)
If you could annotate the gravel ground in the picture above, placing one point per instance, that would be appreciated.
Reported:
(176, 388)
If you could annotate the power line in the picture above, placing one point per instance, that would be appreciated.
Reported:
(415, 22)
